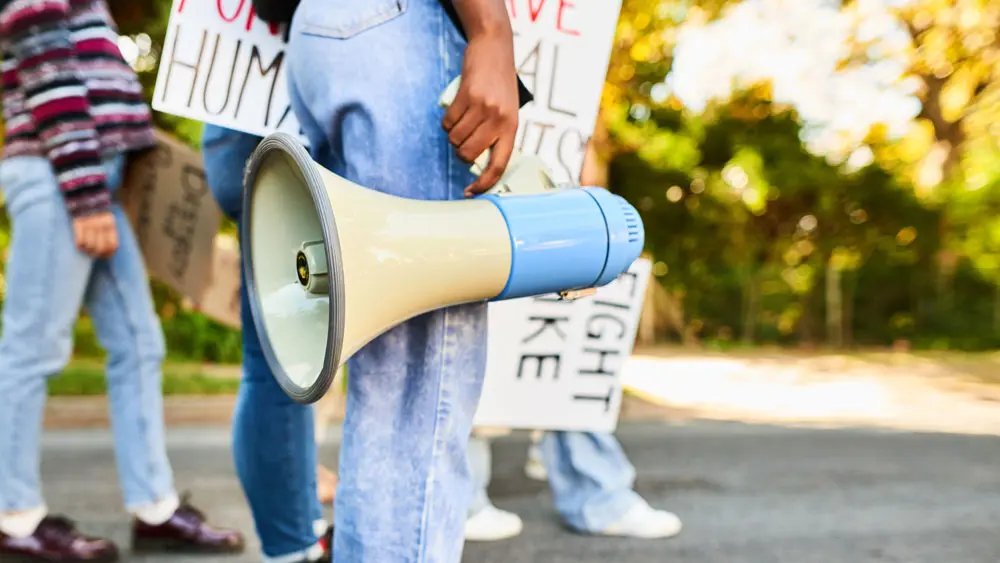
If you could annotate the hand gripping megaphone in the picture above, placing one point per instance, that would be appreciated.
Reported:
(330, 264)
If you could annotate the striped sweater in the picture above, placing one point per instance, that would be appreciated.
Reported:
(68, 94)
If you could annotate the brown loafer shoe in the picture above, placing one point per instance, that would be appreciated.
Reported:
(185, 532)
(56, 540)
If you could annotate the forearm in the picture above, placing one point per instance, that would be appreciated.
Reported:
(484, 18)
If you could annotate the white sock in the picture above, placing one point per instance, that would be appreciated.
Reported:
(157, 512)
(22, 523)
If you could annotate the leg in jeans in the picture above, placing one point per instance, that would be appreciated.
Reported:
(47, 281)
(590, 477)
(364, 79)
(591, 480)
(481, 469)
(121, 307)
(485, 521)
(273, 437)
(46, 278)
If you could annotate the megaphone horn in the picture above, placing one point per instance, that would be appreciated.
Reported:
(330, 265)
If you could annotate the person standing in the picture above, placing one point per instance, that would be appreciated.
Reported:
(73, 110)
(273, 436)
(591, 480)
(364, 80)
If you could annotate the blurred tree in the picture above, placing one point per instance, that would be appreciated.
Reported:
(731, 197)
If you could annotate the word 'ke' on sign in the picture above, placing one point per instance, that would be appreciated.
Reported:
(223, 65)
(554, 364)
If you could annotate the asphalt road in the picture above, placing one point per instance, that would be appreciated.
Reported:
(747, 494)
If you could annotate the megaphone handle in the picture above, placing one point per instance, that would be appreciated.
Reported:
(447, 97)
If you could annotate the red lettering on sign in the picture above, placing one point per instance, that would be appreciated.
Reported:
(512, 9)
(563, 4)
(535, 11)
(180, 8)
(229, 19)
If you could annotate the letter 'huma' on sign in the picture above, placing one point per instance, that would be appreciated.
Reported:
(223, 65)
(556, 365)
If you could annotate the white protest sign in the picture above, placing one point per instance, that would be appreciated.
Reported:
(555, 364)
(562, 49)
(223, 65)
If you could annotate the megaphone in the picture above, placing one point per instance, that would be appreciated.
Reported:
(330, 264)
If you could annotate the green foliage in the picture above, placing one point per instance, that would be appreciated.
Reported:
(88, 379)
(747, 227)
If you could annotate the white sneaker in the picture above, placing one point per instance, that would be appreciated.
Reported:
(534, 468)
(492, 524)
(645, 522)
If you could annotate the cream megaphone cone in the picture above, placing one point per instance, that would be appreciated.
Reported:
(330, 265)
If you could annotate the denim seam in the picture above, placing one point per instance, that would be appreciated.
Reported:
(143, 427)
(445, 65)
(359, 25)
(429, 483)
(429, 488)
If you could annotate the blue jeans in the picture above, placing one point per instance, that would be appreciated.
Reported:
(364, 80)
(48, 280)
(590, 476)
(273, 437)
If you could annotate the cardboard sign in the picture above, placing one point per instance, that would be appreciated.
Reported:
(222, 65)
(221, 300)
(555, 364)
(173, 214)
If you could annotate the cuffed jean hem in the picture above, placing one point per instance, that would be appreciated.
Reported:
(591, 479)
(139, 505)
(312, 552)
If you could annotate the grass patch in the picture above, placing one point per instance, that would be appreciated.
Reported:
(83, 377)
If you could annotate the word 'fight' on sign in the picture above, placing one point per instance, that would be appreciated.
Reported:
(556, 365)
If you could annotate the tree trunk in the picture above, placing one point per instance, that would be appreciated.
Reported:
(850, 292)
(834, 306)
(751, 309)
(996, 309)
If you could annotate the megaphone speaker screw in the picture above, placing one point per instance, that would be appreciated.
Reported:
(310, 268)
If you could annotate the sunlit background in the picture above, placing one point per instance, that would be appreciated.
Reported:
(812, 174)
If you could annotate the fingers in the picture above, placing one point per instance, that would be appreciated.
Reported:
(499, 157)
(456, 110)
(96, 235)
(80, 235)
(107, 237)
(112, 238)
(107, 240)
(485, 135)
(460, 133)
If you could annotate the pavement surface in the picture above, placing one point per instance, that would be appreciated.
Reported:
(746, 493)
